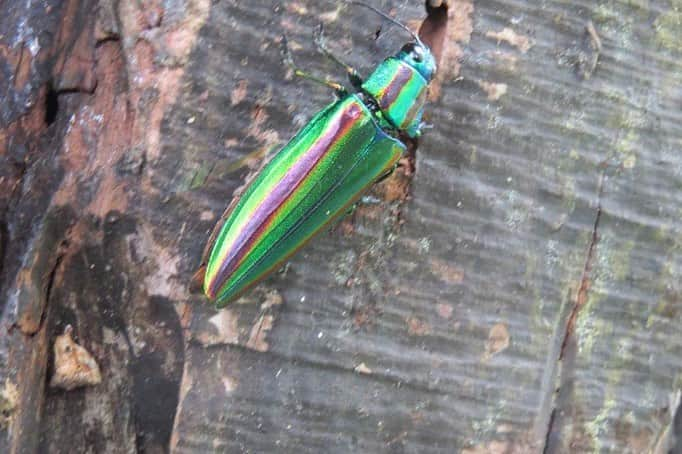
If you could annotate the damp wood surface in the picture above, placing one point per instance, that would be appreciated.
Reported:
(515, 289)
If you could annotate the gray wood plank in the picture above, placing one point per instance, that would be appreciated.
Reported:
(517, 292)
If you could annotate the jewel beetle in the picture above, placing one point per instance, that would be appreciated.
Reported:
(315, 178)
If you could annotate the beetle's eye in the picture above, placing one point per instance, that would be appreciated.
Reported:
(417, 54)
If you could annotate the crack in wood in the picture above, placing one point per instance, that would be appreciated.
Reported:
(578, 303)
(581, 296)
(48, 293)
(548, 434)
(107, 39)
(75, 89)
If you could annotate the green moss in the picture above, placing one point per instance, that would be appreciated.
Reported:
(346, 263)
(473, 156)
(612, 263)
(658, 313)
(604, 13)
(639, 4)
(627, 144)
(597, 426)
(668, 27)
(628, 123)
(620, 260)
(590, 328)
(662, 233)
(617, 120)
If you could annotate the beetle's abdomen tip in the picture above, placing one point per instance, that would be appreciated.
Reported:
(209, 290)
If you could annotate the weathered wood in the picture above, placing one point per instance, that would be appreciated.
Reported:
(518, 290)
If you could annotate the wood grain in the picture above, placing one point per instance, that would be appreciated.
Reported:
(517, 290)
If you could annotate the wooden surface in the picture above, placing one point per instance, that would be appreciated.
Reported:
(518, 292)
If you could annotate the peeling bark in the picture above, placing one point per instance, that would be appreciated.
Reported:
(493, 297)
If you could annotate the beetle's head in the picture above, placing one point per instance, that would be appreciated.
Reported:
(419, 56)
(415, 53)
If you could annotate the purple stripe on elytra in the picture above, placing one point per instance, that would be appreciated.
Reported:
(416, 107)
(280, 193)
(312, 209)
(394, 87)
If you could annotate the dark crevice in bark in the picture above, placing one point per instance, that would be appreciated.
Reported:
(66, 91)
(433, 31)
(48, 291)
(566, 356)
(109, 39)
(50, 281)
(581, 295)
(548, 435)
(51, 101)
(154, 417)
(51, 105)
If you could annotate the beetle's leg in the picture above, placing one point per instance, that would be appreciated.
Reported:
(385, 175)
(321, 44)
(289, 61)
(416, 132)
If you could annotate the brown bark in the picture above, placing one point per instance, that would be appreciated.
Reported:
(515, 289)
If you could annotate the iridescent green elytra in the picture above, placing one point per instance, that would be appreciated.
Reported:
(320, 173)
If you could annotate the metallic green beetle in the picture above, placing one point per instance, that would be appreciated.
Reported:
(321, 172)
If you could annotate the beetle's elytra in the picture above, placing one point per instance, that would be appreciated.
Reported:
(321, 172)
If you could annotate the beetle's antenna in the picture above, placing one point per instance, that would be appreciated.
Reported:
(389, 18)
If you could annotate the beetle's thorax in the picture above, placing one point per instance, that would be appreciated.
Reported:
(399, 90)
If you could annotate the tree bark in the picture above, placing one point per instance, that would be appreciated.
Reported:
(514, 287)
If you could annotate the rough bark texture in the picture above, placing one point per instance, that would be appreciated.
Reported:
(518, 290)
